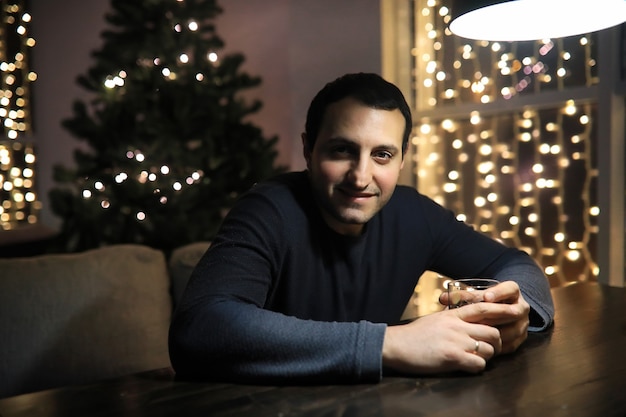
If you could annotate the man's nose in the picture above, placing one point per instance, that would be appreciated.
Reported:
(361, 172)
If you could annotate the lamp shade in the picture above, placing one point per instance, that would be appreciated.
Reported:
(522, 20)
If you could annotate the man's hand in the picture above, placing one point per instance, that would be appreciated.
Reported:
(464, 338)
(441, 342)
(514, 325)
(514, 328)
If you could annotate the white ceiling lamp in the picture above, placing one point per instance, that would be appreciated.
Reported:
(523, 20)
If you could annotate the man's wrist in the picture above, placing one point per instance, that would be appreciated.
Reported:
(390, 351)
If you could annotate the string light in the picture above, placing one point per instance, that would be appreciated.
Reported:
(165, 181)
(19, 203)
(526, 177)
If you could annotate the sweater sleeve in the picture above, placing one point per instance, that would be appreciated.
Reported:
(535, 290)
(462, 252)
(248, 344)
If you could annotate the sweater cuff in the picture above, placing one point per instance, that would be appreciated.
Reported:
(370, 348)
(536, 291)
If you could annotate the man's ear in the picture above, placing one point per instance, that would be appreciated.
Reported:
(404, 154)
(306, 152)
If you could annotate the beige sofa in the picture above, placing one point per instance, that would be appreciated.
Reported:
(79, 318)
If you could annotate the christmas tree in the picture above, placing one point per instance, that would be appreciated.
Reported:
(169, 149)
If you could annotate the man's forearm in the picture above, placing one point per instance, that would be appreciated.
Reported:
(239, 342)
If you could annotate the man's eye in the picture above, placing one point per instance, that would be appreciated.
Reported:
(341, 150)
(385, 155)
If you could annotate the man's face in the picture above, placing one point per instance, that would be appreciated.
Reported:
(355, 163)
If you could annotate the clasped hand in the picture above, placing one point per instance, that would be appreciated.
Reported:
(461, 339)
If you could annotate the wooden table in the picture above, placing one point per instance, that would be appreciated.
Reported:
(578, 368)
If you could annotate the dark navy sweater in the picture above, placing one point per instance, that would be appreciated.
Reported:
(281, 298)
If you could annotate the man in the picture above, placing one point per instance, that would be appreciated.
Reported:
(310, 272)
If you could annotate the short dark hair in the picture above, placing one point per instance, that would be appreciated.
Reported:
(370, 89)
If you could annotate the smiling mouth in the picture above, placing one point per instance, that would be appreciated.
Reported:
(356, 195)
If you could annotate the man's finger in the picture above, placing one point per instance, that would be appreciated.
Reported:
(486, 312)
(507, 291)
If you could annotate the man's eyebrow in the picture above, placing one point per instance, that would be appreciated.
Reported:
(391, 148)
(345, 141)
(342, 140)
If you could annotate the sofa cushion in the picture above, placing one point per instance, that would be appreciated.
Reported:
(182, 263)
(77, 318)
